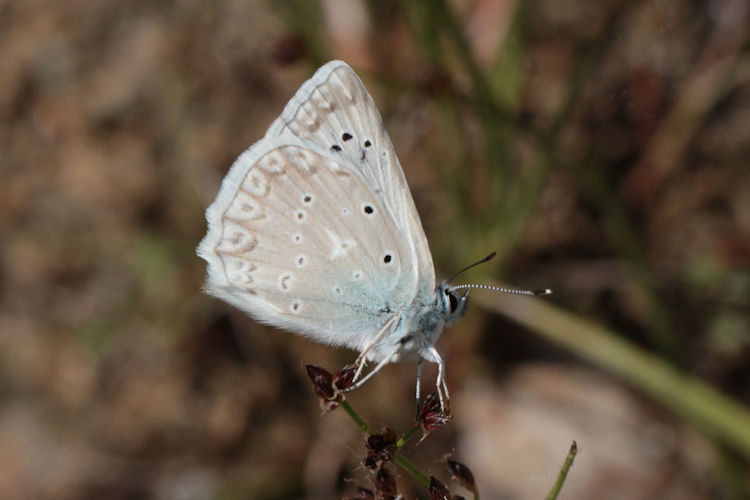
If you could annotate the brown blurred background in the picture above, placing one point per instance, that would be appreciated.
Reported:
(600, 147)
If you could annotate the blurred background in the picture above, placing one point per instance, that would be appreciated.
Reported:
(600, 148)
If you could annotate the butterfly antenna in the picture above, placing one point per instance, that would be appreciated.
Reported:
(486, 259)
(544, 291)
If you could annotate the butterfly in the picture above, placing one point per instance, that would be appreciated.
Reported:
(314, 230)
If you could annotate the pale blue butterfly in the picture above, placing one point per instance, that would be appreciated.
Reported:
(314, 230)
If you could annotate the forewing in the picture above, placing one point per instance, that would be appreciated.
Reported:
(300, 241)
(334, 111)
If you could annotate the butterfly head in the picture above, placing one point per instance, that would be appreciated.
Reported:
(453, 305)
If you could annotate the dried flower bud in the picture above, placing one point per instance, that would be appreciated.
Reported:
(328, 405)
(438, 490)
(321, 379)
(389, 435)
(430, 403)
(379, 442)
(322, 382)
(344, 377)
(430, 417)
(375, 443)
(371, 461)
(380, 448)
(461, 474)
(385, 484)
(434, 421)
(365, 494)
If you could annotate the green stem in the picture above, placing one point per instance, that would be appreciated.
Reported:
(700, 404)
(354, 416)
(567, 464)
(412, 469)
(403, 439)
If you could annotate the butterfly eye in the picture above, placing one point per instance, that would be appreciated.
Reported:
(453, 300)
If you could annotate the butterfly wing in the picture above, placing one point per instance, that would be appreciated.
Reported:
(334, 111)
(301, 241)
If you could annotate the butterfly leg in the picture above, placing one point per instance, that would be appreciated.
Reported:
(361, 359)
(442, 387)
(375, 370)
(360, 365)
(419, 382)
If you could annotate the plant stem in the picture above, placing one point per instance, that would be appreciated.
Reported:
(403, 439)
(716, 414)
(412, 469)
(567, 464)
(354, 416)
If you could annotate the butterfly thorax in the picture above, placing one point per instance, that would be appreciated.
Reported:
(418, 332)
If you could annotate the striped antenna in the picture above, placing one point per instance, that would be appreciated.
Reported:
(545, 291)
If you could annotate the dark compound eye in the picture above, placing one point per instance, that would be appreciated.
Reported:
(453, 300)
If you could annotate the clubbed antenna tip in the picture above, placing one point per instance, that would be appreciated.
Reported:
(486, 259)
